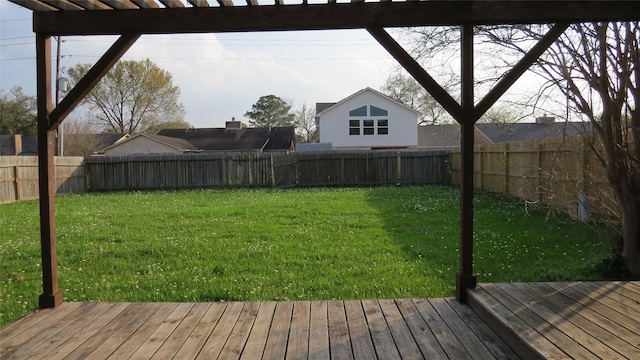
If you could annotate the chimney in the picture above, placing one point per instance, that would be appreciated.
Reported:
(233, 124)
(17, 142)
(545, 119)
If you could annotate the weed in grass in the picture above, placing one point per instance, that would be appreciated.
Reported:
(297, 244)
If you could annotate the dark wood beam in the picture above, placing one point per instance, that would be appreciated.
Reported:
(465, 278)
(417, 71)
(329, 16)
(93, 76)
(51, 295)
(520, 68)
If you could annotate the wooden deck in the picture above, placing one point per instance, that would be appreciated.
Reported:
(370, 329)
(588, 320)
(536, 320)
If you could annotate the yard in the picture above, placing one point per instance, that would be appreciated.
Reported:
(297, 244)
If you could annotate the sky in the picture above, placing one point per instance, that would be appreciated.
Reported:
(220, 75)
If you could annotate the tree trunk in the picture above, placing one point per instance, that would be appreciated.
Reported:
(630, 207)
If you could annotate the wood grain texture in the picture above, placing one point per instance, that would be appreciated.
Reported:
(536, 320)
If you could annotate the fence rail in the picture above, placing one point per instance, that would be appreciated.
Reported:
(561, 173)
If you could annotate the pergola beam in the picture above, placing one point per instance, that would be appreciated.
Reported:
(328, 16)
(93, 76)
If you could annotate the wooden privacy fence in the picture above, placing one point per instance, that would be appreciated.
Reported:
(337, 168)
(561, 173)
(19, 177)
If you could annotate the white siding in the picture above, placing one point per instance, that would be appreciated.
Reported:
(402, 123)
(139, 145)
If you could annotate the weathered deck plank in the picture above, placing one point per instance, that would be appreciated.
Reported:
(583, 319)
(551, 320)
(319, 331)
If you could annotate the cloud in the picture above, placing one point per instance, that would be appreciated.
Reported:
(222, 75)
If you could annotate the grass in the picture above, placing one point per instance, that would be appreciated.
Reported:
(299, 244)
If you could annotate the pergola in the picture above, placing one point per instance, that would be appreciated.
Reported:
(131, 18)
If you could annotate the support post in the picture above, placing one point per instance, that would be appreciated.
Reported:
(51, 295)
(465, 278)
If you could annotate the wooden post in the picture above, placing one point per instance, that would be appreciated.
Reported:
(398, 168)
(539, 149)
(465, 278)
(51, 295)
(16, 173)
(506, 168)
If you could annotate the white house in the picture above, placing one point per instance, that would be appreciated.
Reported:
(367, 119)
(149, 144)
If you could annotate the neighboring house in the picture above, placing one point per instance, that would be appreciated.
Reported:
(18, 144)
(544, 128)
(149, 144)
(74, 144)
(233, 138)
(442, 137)
(367, 119)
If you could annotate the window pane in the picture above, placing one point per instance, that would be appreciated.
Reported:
(383, 123)
(354, 131)
(368, 131)
(353, 123)
(383, 131)
(361, 111)
(376, 111)
(368, 123)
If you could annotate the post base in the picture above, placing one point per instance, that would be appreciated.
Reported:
(463, 283)
(50, 300)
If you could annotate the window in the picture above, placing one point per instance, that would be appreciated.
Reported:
(354, 127)
(376, 124)
(376, 111)
(361, 111)
(368, 127)
(383, 127)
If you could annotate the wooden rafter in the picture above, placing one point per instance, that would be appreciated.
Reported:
(34, 5)
(62, 4)
(146, 4)
(199, 3)
(120, 4)
(172, 3)
(91, 4)
(225, 3)
(326, 16)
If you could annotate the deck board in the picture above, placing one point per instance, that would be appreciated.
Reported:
(535, 320)
(582, 319)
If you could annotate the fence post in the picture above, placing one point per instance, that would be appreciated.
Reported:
(506, 168)
(16, 173)
(480, 168)
(398, 168)
(539, 149)
(273, 173)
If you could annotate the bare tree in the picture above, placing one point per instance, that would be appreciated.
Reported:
(594, 68)
(408, 91)
(134, 97)
(305, 119)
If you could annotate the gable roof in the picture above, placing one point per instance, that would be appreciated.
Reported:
(220, 139)
(326, 107)
(445, 136)
(178, 144)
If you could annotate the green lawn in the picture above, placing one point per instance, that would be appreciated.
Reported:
(299, 244)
